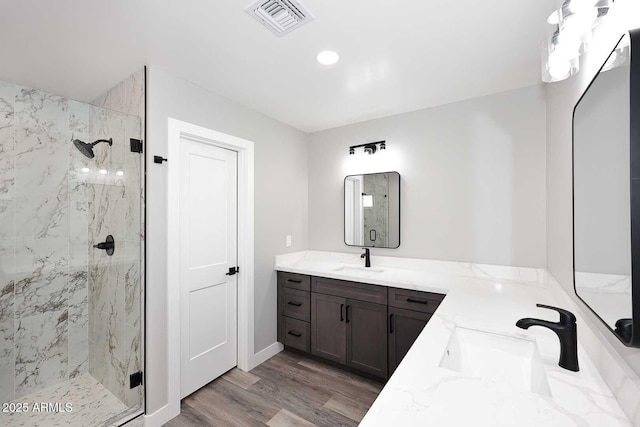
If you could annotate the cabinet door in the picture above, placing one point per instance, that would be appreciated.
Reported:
(367, 337)
(404, 328)
(328, 327)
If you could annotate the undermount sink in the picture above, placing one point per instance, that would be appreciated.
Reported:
(498, 357)
(359, 268)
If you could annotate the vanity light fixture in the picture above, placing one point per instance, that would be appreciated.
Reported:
(570, 34)
(369, 147)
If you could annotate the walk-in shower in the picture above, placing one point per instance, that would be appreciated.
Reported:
(71, 326)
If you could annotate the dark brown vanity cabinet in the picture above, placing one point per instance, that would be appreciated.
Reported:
(404, 328)
(367, 337)
(348, 324)
(409, 312)
(294, 310)
(366, 327)
(329, 331)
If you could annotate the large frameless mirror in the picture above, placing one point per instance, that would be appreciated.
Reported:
(372, 210)
(606, 193)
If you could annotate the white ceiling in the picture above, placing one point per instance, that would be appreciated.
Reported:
(396, 55)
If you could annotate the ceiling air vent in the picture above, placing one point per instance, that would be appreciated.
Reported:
(280, 16)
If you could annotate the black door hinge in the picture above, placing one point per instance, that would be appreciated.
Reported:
(135, 380)
(136, 145)
(159, 159)
(233, 271)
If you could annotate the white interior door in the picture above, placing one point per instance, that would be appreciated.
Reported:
(208, 239)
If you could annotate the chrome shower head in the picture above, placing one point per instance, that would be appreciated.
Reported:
(87, 149)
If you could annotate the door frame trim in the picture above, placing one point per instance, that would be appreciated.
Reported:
(177, 130)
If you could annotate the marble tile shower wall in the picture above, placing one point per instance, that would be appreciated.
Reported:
(54, 204)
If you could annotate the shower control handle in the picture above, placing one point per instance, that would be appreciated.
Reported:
(108, 245)
(104, 245)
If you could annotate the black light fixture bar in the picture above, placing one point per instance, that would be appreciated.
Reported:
(369, 147)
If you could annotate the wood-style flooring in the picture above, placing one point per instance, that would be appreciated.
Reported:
(286, 390)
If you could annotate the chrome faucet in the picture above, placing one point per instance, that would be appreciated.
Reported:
(367, 257)
(566, 331)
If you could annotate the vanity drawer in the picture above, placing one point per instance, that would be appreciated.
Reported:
(425, 302)
(296, 304)
(297, 334)
(294, 281)
(353, 290)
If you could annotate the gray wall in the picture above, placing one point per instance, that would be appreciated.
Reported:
(472, 176)
(561, 99)
(280, 205)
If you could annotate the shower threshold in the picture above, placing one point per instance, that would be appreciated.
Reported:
(91, 404)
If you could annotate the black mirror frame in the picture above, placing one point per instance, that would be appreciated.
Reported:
(344, 226)
(628, 338)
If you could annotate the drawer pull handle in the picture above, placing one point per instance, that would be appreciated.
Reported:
(294, 280)
(391, 323)
(341, 312)
(347, 311)
(418, 301)
(295, 334)
(297, 304)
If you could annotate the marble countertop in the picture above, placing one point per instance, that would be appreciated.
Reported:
(481, 297)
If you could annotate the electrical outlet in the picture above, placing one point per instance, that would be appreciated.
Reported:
(288, 240)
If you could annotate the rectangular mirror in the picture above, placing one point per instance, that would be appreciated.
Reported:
(606, 195)
(372, 210)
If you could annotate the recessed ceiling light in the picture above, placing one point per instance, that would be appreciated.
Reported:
(328, 57)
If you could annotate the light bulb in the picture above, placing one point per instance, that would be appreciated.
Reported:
(559, 69)
(103, 171)
(580, 6)
(120, 173)
(85, 170)
(568, 47)
(577, 24)
(556, 58)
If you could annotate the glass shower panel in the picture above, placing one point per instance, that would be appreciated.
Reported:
(113, 189)
(70, 314)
